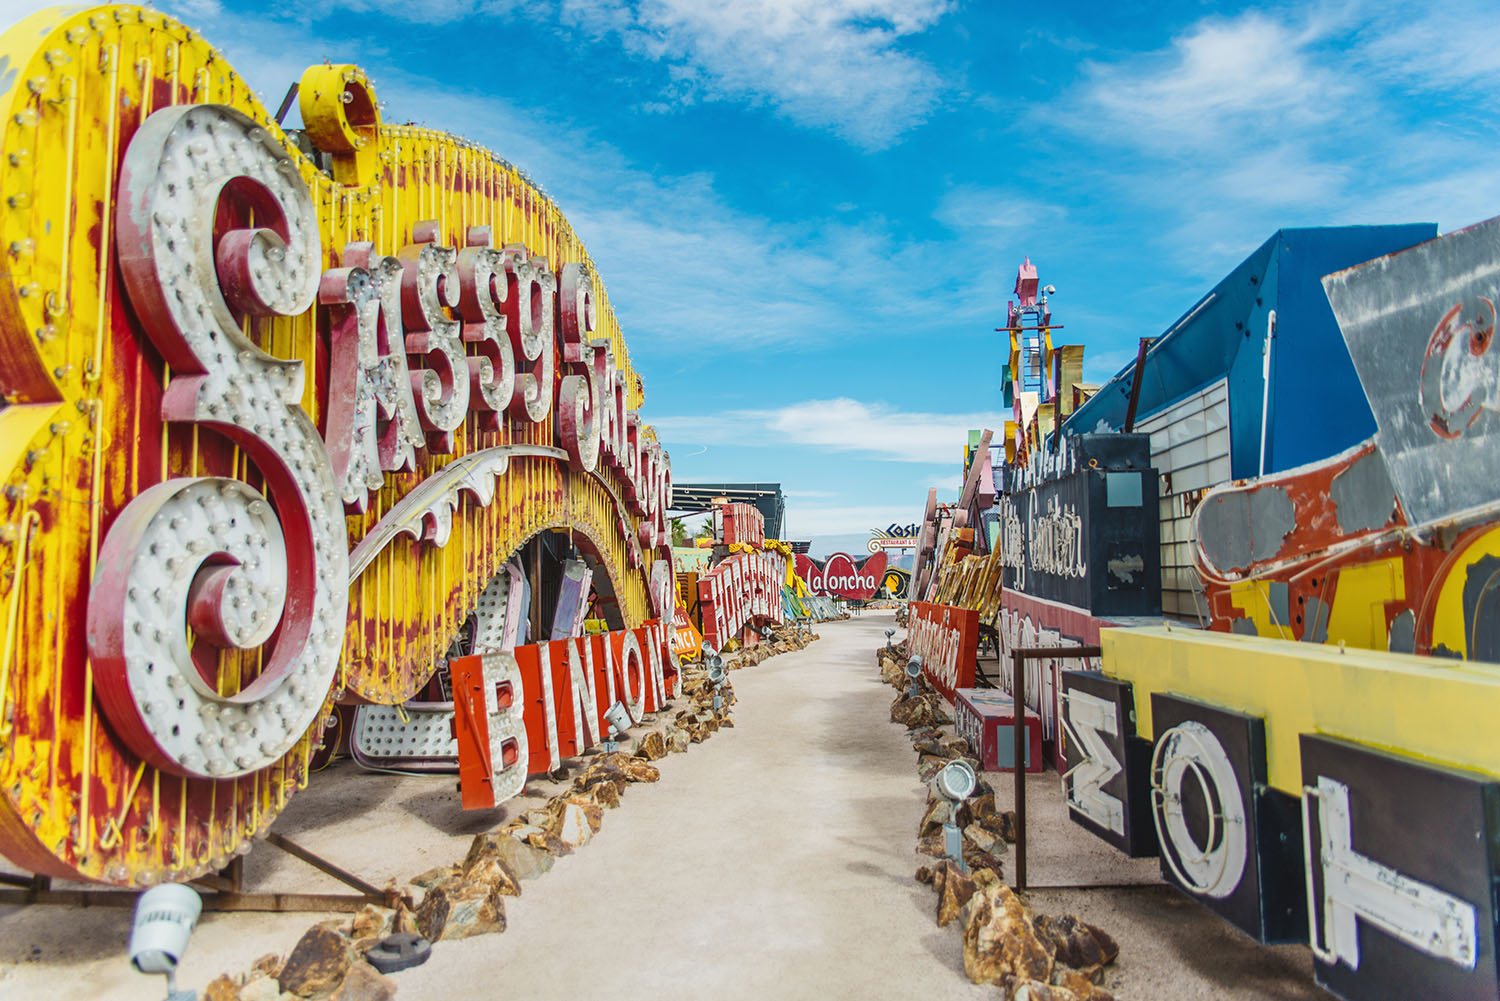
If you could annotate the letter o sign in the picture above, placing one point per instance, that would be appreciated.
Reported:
(1198, 808)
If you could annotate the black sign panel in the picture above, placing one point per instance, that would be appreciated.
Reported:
(1403, 862)
(1104, 778)
(1227, 840)
(1088, 538)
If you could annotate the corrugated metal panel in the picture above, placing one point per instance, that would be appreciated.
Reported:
(1190, 450)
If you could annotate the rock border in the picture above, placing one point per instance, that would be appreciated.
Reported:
(1029, 956)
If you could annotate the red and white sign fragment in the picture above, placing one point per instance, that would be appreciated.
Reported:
(544, 702)
(743, 588)
(946, 638)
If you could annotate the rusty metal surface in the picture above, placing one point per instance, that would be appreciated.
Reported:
(275, 363)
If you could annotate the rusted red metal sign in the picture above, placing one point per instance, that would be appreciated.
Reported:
(947, 640)
(744, 525)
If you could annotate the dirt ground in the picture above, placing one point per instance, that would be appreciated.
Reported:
(774, 860)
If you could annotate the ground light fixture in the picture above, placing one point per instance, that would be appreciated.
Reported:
(164, 919)
(888, 634)
(954, 783)
(913, 672)
(718, 677)
(618, 718)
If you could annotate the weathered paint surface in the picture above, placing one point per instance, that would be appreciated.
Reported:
(1389, 545)
(1433, 709)
(88, 382)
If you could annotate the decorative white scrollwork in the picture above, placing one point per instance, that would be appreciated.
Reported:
(212, 554)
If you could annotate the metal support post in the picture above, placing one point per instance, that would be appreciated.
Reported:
(1018, 658)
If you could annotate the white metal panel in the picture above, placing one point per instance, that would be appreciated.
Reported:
(1190, 450)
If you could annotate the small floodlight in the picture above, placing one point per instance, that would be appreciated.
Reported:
(718, 678)
(619, 721)
(889, 632)
(913, 672)
(955, 782)
(164, 918)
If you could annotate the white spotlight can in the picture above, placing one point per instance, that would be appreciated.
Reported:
(164, 919)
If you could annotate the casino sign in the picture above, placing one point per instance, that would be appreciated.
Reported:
(277, 410)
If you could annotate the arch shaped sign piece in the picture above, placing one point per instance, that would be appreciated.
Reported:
(252, 469)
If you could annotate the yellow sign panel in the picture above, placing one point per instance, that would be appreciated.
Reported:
(269, 431)
(1424, 707)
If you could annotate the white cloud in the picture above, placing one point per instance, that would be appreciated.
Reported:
(830, 64)
(804, 521)
(994, 212)
(1329, 114)
(837, 65)
(839, 425)
(681, 264)
(1250, 75)
(1449, 46)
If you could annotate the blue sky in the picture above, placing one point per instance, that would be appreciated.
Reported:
(809, 214)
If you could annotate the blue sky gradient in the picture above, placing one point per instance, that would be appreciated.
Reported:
(809, 214)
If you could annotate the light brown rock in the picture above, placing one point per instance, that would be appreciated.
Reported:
(1077, 943)
(454, 910)
(572, 827)
(371, 921)
(260, 987)
(365, 983)
(269, 965)
(317, 963)
(652, 746)
(221, 988)
(1081, 985)
(490, 872)
(954, 888)
(605, 794)
(641, 771)
(933, 820)
(1032, 990)
(432, 913)
(999, 940)
(984, 840)
(434, 876)
(405, 920)
(550, 843)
